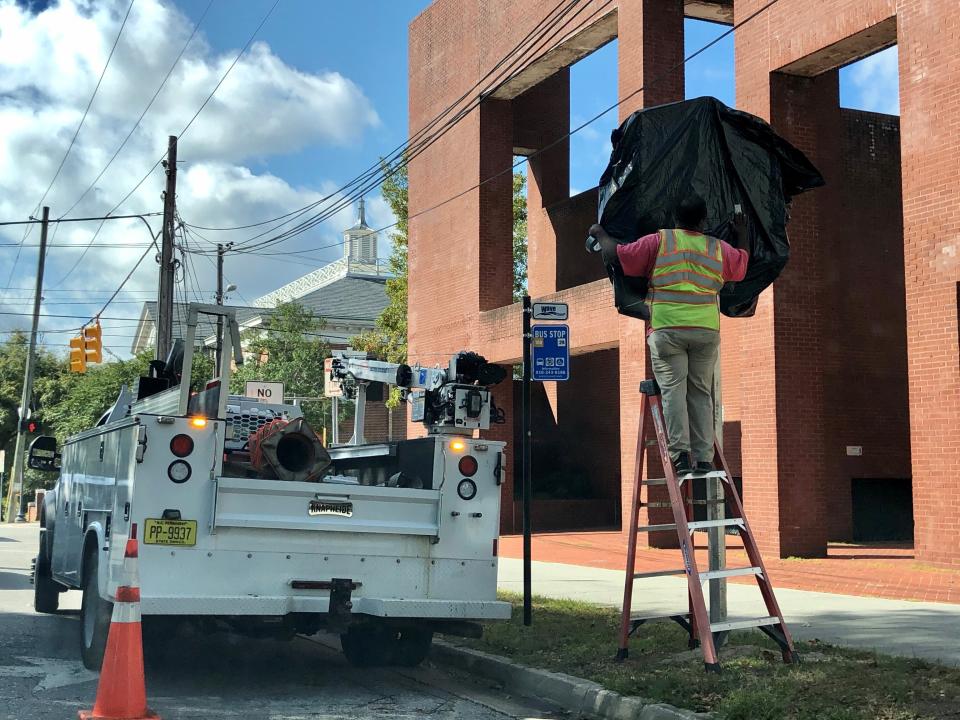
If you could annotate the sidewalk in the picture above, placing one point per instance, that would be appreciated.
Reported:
(897, 627)
(880, 571)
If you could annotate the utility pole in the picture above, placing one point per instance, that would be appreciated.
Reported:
(221, 251)
(165, 299)
(16, 476)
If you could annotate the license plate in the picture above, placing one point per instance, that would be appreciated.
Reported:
(170, 532)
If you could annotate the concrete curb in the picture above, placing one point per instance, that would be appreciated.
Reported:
(583, 698)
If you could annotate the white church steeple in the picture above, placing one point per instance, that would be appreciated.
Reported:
(360, 241)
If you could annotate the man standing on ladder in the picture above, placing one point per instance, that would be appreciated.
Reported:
(686, 270)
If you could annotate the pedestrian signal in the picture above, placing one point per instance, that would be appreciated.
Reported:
(93, 344)
(78, 355)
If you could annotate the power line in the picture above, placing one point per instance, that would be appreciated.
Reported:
(181, 134)
(596, 117)
(145, 110)
(79, 126)
(418, 142)
(33, 221)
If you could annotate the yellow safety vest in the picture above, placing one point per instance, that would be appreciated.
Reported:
(686, 279)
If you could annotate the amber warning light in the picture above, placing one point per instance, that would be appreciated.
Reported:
(198, 422)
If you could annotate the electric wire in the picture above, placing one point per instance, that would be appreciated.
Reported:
(183, 132)
(143, 114)
(392, 164)
(399, 148)
(73, 140)
(593, 119)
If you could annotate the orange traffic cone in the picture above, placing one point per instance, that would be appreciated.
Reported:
(122, 692)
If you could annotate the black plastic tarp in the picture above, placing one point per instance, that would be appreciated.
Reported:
(663, 154)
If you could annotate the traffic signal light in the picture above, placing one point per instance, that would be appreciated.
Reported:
(93, 343)
(78, 355)
(29, 426)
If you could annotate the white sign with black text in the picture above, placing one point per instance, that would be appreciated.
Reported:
(268, 392)
(549, 311)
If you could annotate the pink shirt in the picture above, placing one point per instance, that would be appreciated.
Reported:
(638, 258)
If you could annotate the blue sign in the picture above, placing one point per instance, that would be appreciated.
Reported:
(550, 352)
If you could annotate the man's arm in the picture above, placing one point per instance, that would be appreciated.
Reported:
(608, 246)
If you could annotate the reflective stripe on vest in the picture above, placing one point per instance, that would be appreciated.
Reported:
(686, 278)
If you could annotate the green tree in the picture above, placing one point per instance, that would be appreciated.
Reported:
(288, 348)
(13, 357)
(519, 236)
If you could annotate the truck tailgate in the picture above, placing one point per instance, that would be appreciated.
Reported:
(328, 507)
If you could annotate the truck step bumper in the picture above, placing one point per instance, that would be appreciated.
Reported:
(283, 605)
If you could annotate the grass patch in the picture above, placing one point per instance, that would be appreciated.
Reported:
(832, 684)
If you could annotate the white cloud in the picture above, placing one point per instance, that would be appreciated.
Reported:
(49, 65)
(873, 83)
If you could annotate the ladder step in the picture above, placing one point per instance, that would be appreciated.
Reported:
(701, 524)
(657, 504)
(651, 618)
(656, 528)
(658, 573)
(719, 474)
(729, 572)
(741, 624)
(655, 481)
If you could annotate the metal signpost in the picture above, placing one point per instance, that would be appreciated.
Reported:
(546, 357)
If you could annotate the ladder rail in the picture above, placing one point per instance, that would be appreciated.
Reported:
(625, 624)
(698, 609)
(756, 559)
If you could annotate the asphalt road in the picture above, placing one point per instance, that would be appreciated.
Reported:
(221, 676)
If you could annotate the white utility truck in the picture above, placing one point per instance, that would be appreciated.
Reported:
(247, 522)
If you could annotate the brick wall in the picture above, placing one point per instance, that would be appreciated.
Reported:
(790, 409)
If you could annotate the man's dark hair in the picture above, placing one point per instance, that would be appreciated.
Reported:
(691, 212)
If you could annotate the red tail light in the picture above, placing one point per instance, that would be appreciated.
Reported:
(181, 445)
(468, 465)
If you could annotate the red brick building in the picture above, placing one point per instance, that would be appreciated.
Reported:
(855, 345)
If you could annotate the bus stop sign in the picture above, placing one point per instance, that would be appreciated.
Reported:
(550, 352)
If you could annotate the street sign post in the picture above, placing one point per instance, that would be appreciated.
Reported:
(551, 352)
(268, 392)
(546, 357)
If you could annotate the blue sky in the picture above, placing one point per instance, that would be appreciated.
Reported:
(348, 34)
(318, 98)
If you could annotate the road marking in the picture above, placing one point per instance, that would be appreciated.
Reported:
(54, 673)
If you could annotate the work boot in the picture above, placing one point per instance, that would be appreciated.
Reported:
(682, 464)
(705, 466)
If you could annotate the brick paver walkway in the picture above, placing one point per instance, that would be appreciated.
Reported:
(879, 570)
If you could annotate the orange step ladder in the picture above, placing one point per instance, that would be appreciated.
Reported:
(695, 620)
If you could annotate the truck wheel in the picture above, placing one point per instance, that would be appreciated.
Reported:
(46, 592)
(367, 646)
(411, 646)
(95, 615)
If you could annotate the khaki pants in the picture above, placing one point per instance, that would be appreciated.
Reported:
(683, 363)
